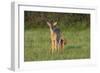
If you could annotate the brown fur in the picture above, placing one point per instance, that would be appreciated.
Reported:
(54, 46)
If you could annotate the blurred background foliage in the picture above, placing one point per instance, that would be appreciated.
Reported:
(65, 20)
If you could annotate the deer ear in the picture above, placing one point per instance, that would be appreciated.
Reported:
(55, 23)
(48, 23)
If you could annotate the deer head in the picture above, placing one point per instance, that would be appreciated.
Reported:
(51, 24)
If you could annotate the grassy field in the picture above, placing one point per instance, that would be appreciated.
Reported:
(37, 45)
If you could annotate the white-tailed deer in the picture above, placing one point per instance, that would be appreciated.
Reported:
(57, 40)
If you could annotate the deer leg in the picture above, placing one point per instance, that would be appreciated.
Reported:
(55, 46)
(52, 46)
(62, 45)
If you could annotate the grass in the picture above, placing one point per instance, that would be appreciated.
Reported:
(37, 45)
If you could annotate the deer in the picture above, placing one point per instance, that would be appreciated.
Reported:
(57, 39)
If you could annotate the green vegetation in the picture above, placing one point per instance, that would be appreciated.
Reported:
(76, 30)
(37, 45)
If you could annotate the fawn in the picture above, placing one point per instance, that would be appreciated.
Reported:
(57, 40)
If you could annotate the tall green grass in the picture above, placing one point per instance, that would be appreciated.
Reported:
(37, 45)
